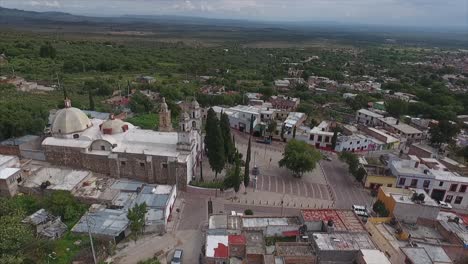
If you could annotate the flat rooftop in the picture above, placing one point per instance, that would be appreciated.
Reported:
(374, 256)
(344, 220)
(342, 241)
(217, 246)
(8, 172)
(294, 249)
(255, 222)
(369, 113)
(426, 255)
(60, 179)
(404, 128)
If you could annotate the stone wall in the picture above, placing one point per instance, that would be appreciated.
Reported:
(64, 156)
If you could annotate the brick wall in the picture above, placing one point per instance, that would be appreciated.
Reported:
(419, 152)
(10, 150)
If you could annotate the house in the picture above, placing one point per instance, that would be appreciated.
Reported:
(355, 143)
(372, 256)
(378, 176)
(368, 118)
(145, 79)
(27, 146)
(321, 136)
(46, 224)
(240, 116)
(10, 175)
(381, 139)
(282, 85)
(394, 125)
(283, 102)
(401, 203)
(434, 177)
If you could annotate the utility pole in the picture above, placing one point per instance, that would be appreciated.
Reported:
(91, 239)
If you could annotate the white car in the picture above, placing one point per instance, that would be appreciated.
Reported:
(445, 205)
(360, 210)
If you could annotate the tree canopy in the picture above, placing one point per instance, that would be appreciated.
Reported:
(214, 142)
(444, 132)
(299, 157)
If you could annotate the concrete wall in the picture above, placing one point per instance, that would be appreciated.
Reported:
(409, 213)
(9, 186)
(380, 180)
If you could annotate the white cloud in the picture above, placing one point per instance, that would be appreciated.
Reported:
(54, 4)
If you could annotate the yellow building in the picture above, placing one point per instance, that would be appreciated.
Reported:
(378, 176)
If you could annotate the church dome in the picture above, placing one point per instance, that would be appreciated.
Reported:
(70, 120)
(114, 126)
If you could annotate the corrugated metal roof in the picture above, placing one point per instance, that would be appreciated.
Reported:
(107, 222)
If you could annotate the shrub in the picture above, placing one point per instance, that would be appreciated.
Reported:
(248, 212)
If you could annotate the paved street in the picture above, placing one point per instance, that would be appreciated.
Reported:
(345, 188)
(293, 186)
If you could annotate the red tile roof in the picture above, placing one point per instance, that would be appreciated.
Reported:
(222, 251)
(291, 233)
(237, 239)
(344, 220)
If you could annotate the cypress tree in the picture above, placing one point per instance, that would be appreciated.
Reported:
(229, 148)
(247, 164)
(91, 100)
(214, 143)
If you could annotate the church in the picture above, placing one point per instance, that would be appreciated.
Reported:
(120, 150)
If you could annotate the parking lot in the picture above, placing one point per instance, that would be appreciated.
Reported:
(293, 186)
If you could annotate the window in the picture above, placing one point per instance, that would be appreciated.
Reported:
(142, 164)
(402, 181)
(76, 136)
(414, 182)
(426, 183)
(312, 137)
(327, 139)
(123, 163)
(441, 183)
(453, 187)
(319, 139)
(448, 198)
(389, 185)
(164, 165)
(458, 200)
(103, 148)
(463, 188)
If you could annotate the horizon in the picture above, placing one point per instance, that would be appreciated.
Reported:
(399, 13)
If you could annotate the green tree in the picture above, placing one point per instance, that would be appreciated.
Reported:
(334, 139)
(360, 174)
(47, 51)
(396, 107)
(140, 103)
(233, 176)
(65, 205)
(299, 157)
(91, 100)
(229, 147)
(351, 159)
(379, 208)
(272, 125)
(99, 86)
(136, 216)
(214, 143)
(444, 132)
(14, 235)
(247, 164)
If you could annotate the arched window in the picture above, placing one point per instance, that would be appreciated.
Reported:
(194, 124)
(76, 135)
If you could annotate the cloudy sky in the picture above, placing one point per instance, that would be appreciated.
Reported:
(437, 13)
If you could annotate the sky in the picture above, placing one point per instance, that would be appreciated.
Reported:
(427, 13)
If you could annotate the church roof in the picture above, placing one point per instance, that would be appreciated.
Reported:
(70, 120)
(115, 126)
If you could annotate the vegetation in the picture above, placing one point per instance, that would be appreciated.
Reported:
(136, 216)
(214, 143)
(18, 242)
(149, 261)
(234, 177)
(353, 165)
(247, 164)
(140, 103)
(145, 121)
(379, 208)
(271, 241)
(299, 157)
(248, 212)
(210, 185)
(229, 147)
(444, 132)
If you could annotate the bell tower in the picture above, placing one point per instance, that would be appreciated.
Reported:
(165, 124)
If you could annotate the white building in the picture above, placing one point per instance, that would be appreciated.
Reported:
(434, 178)
(368, 118)
(321, 136)
(240, 116)
(355, 143)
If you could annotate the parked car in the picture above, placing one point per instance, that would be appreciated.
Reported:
(445, 205)
(177, 258)
(360, 210)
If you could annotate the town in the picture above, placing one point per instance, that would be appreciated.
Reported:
(172, 153)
